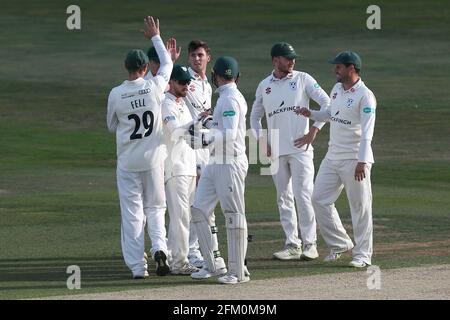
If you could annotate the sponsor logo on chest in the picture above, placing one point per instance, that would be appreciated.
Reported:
(340, 120)
(280, 109)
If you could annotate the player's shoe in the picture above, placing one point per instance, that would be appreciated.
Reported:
(204, 273)
(309, 252)
(162, 268)
(358, 264)
(231, 278)
(197, 262)
(289, 252)
(141, 275)
(333, 256)
(186, 269)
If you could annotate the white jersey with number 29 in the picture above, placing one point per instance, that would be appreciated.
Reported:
(134, 113)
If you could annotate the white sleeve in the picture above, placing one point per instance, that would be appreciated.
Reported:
(257, 113)
(111, 117)
(367, 112)
(320, 116)
(165, 69)
(315, 92)
(172, 123)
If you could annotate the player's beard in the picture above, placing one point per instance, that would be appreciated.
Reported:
(341, 78)
(181, 92)
(285, 68)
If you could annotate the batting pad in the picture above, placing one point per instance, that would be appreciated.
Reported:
(205, 237)
(237, 242)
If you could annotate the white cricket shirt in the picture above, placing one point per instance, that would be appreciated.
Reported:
(198, 99)
(277, 99)
(229, 126)
(134, 113)
(180, 159)
(352, 122)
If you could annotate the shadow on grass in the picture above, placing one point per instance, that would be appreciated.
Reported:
(96, 272)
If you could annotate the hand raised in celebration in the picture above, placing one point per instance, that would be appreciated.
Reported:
(174, 52)
(151, 27)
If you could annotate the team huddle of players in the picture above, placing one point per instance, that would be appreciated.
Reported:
(174, 153)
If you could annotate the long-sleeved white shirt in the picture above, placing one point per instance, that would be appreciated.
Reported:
(352, 122)
(276, 99)
(198, 99)
(134, 114)
(229, 128)
(180, 159)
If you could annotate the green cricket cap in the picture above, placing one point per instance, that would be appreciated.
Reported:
(226, 67)
(348, 57)
(180, 73)
(283, 49)
(135, 59)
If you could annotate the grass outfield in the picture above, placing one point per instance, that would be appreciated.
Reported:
(58, 198)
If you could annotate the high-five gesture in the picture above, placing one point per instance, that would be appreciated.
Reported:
(174, 52)
(151, 27)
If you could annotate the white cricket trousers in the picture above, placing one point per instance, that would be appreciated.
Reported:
(333, 176)
(142, 198)
(225, 183)
(293, 176)
(180, 191)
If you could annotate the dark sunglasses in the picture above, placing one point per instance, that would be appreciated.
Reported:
(183, 82)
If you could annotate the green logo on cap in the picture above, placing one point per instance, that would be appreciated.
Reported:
(229, 113)
(368, 110)
(228, 72)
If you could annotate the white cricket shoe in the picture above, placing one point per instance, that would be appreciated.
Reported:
(289, 252)
(310, 252)
(197, 262)
(141, 275)
(186, 269)
(204, 273)
(231, 278)
(358, 264)
(333, 256)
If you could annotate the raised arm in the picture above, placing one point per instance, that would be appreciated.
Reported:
(151, 31)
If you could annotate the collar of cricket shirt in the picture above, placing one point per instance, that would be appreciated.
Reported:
(196, 75)
(274, 79)
(172, 97)
(225, 87)
(353, 88)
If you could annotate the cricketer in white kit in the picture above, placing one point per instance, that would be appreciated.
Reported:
(292, 167)
(198, 100)
(134, 114)
(179, 170)
(347, 163)
(223, 178)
